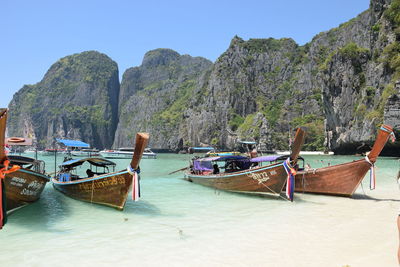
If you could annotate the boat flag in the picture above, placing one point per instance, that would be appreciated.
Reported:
(135, 183)
(291, 172)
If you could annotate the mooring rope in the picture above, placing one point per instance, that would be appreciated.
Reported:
(274, 191)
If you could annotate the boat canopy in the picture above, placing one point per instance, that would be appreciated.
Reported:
(223, 158)
(73, 143)
(98, 162)
(271, 158)
(205, 164)
(21, 160)
(268, 158)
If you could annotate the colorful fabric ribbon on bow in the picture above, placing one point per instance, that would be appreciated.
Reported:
(3, 172)
(372, 177)
(291, 172)
(135, 182)
(391, 136)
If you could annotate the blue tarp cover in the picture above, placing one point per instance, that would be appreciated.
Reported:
(205, 164)
(266, 158)
(73, 143)
(223, 158)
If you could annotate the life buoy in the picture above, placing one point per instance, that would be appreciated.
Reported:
(16, 139)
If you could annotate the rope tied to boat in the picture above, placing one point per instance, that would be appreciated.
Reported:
(372, 176)
(291, 172)
(135, 182)
(3, 172)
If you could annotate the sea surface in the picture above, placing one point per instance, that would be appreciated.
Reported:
(178, 223)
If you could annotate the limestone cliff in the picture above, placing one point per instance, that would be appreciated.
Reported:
(340, 86)
(77, 98)
(337, 86)
(155, 96)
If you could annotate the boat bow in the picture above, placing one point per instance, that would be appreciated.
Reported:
(133, 168)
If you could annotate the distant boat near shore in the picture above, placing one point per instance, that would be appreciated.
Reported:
(306, 153)
(86, 153)
(126, 153)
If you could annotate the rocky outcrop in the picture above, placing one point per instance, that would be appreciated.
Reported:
(340, 86)
(155, 95)
(392, 108)
(253, 89)
(77, 98)
(357, 79)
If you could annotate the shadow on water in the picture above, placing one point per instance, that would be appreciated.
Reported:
(43, 214)
(299, 198)
(145, 208)
(273, 197)
(366, 197)
(142, 207)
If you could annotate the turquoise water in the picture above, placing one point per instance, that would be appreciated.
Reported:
(177, 223)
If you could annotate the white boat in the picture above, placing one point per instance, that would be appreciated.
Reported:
(30, 150)
(86, 153)
(126, 153)
(51, 151)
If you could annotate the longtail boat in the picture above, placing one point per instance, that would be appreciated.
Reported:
(343, 179)
(244, 177)
(105, 188)
(25, 177)
(25, 185)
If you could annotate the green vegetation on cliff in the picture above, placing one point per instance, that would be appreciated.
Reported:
(265, 45)
(393, 13)
(78, 95)
(314, 127)
(173, 115)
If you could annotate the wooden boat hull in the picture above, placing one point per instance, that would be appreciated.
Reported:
(23, 187)
(339, 180)
(110, 189)
(262, 180)
(116, 155)
(342, 179)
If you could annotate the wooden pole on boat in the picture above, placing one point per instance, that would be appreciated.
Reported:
(178, 170)
(141, 143)
(383, 135)
(3, 157)
(297, 144)
(3, 121)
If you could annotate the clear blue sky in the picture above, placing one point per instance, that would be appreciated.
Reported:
(35, 34)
